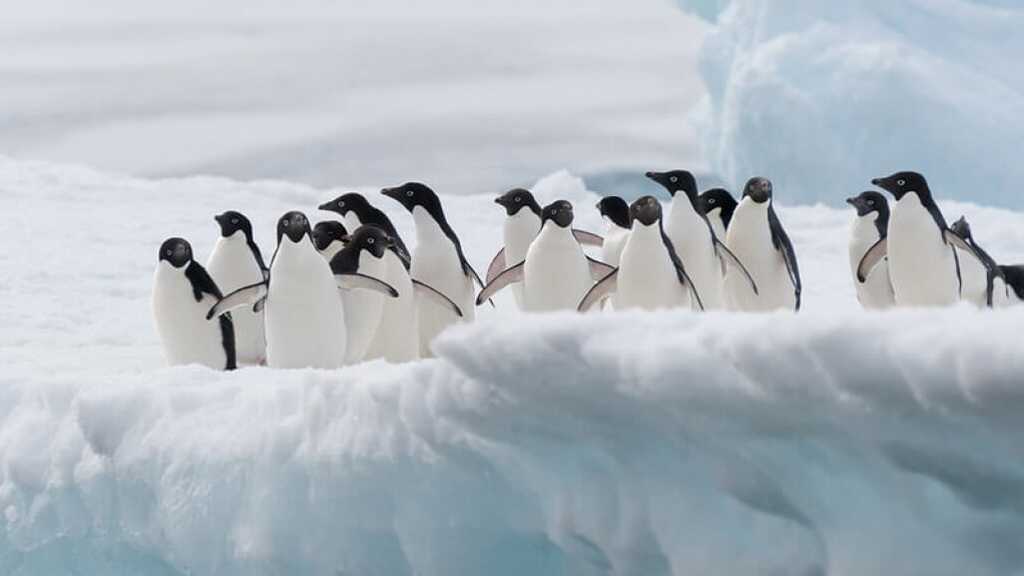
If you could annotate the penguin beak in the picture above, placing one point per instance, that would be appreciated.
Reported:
(652, 175)
(324, 206)
(851, 201)
(878, 181)
(345, 239)
(219, 218)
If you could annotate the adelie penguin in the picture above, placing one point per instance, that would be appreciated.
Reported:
(437, 261)
(356, 210)
(329, 238)
(922, 262)
(555, 274)
(522, 224)
(236, 261)
(984, 282)
(182, 293)
(871, 225)
(303, 312)
(757, 238)
(650, 274)
(718, 205)
(703, 254)
(615, 213)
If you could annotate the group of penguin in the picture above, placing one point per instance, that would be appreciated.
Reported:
(342, 292)
(909, 256)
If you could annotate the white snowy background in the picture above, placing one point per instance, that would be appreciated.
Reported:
(833, 441)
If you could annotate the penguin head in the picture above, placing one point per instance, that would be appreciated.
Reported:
(371, 238)
(717, 199)
(176, 251)
(758, 189)
(326, 232)
(646, 210)
(676, 181)
(516, 199)
(231, 222)
(559, 212)
(413, 194)
(901, 183)
(961, 228)
(346, 203)
(615, 209)
(294, 225)
(869, 201)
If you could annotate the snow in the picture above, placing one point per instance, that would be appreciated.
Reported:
(824, 96)
(833, 441)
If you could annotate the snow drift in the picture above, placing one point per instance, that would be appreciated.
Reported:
(830, 442)
(822, 96)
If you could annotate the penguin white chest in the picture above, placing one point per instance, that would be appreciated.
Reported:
(519, 231)
(647, 277)
(749, 237)
(187, 336)
(436, 263)
(363, 309)
(304, 317)
(715, 218)
(876, 291)
(975, 279)
(921, 264)
(615, 238)
(232, 266)
(556, 274)
(397, 337)
(694, 245)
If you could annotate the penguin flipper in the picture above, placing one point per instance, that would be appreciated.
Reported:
(587, 238)
(357, 281)
(871, 258)
(604, 288)
(685, 278)
(598, 269)
(950, 237)
(508, 276)
(436, 296)
(729, 258)
(497, 265)
(251, 294)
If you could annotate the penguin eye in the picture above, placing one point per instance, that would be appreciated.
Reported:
(408, 193)
(341, 204)
(711, 200)
(369, 240)
(871, 202)
(672, 179)
(518, 199)
(901, 182)
(168, 252)
(234, 220)
(284, 223)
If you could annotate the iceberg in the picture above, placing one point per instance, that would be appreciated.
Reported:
(823, 96)
(833, 441)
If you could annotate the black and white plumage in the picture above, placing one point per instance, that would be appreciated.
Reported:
(983, 280)
(357, 211)
(870, 226)
(182, 293)
(236, 261)
(718, 205)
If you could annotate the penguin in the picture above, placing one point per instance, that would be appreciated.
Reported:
(718, 205)
(650, 274)
(357, 210)
(1014, 275)
(182, 292)
(556, 273)
(236, 261)
(923, 264)
(756, 235)
(983, 281)
(437, 260)
(615, 212)
(329, 237)
(871, 225)
(303, 312)
(363, 253)
(521, 226)
(694, 239)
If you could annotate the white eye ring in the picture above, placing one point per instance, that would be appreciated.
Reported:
(234, 220)
(518, 199)
(409, 193)
(285, 223)
(901, 182)
(672, 179)
(711, 200)
(169, 252)
(369, 240)
(871, 202)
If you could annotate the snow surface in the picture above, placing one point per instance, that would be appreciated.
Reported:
(834, 441)
(823, 96)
